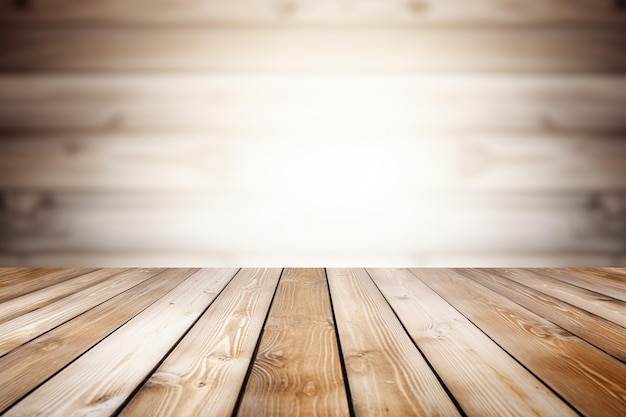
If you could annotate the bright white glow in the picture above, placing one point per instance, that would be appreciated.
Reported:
(344, 178)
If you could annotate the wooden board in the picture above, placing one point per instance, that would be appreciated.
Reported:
(45, 296)
(208, 160)
(405, 104)
(116, 368)
(386, 373)
(227, 342)
(592, 280)
(32, 363)
(252, 258)
(589, 379)
(204, 373)
(442, 223)
(34, 323)
(309, 11)
(311, 49)
(18, 284)
(600, 332)
(599, 304)
(297, 369)
(483, 378)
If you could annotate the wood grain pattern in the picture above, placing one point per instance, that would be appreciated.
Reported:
(386, 372)
(310, 49)
(205, 372)
(156, 161)
(308, 11)
(406, 104)
(297, 369)
(592, 280)
(114, 366)
(483, 378)
(174, 257)
(589, 379)
(601, 333)
(446, 223)
(226, 342)
(599, 304)
(45, 296)
(29, 365)
(30, 325)
(18, 284)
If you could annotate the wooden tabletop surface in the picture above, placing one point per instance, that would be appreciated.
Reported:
(312, 342)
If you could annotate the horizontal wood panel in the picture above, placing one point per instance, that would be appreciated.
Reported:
(267, 223)
(404, 256)
(314, 49)
(314, 105)
(310, 11)
(214, 160)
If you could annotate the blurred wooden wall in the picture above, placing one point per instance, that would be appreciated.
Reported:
(313, 132)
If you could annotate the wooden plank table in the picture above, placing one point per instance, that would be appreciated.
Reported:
(313, 342)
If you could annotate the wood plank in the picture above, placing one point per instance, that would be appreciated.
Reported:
(211, 160)
(99, 381)
(405, 104)
(589, 379)
(31, 364)
(16, 274)
(446, 223)
(599, 304)
(601, 333)
(205, 372)
(590, 279)
(306, 11)
(483, 378)
(297, 258)
(52, 293)
(619, 271)
(311, 49)
(23, 328)
(297, 369)
(15, 285)
(386, 373)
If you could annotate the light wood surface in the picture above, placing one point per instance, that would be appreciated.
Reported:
(422, 12)
(605, 307)
(595, 382)
(37, 299)
(115, 371)
(386, 372)
(375, 108)
(15, 284)
(202, 376)
(297, 370)
(23, 328)
(37, 360)
(511, 103)
(600, 332)
(310, 49)
(609, 284)
(476, 371)
(187, 160)
(427, 342)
